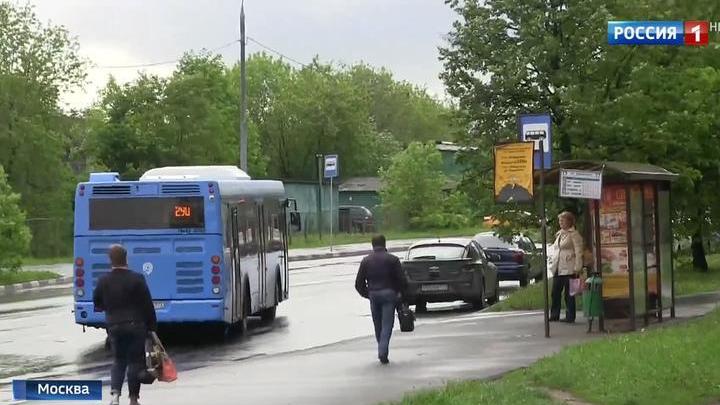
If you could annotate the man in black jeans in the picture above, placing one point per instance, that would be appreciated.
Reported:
(380, 279)
(129, 315)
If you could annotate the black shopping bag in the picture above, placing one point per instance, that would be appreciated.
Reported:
(406, 317)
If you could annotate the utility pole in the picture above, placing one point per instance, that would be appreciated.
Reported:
(243, 95)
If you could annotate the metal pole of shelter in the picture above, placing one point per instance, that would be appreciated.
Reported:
(544, 238)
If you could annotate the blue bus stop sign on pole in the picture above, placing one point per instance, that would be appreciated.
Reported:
(332, 167)
(530, 126)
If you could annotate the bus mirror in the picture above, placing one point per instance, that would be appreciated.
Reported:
(295, 221)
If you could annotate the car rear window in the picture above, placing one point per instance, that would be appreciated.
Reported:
(493, 242)
(437, 252)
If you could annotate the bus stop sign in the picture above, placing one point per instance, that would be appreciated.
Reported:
(332, 167)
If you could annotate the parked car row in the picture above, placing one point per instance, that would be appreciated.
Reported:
(470, 270)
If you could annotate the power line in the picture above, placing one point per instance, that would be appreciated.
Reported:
(275, 51)
(221, 47)
(167, 62)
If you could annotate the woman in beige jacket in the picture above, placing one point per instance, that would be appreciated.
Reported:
(568, 264)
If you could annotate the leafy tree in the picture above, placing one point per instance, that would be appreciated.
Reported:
(651, 104)
(14, 234)
(190, 118)
(412, 185)
(37, 62)
(402, 109)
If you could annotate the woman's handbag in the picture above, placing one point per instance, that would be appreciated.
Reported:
(576, 286)
(167, 369)
(150, 372)
(406, 317)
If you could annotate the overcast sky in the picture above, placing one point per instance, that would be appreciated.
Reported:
(402, 35)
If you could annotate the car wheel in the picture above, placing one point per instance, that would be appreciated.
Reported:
(421, 307)
(524, 281)
(496, 296)
(480, 303)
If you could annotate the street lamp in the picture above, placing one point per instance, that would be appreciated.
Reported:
(540, 136)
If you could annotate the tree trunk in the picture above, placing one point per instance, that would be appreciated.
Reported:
(698, 253)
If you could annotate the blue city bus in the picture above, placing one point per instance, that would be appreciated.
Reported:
(210, 241)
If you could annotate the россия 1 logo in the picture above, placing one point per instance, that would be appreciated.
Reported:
(688, 33)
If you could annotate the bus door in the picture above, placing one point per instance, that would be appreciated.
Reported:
(285, 233)
(235, 275)
(262, 259)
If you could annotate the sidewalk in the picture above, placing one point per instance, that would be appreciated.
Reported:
(473, 346)
(65, 270)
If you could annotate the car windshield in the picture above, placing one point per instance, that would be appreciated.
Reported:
(437, 252)
(489, 241)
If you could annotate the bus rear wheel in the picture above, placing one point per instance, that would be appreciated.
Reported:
(268, 314)
(242, 325)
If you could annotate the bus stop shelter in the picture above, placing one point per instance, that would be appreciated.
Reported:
(630, 234)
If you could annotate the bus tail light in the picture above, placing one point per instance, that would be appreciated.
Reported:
(216, 290)
(79, 277)
(215, 259)
(215, 270)
(216, 280)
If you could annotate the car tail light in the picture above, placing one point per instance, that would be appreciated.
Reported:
(216, 280)
(519, 257)
(215, 270)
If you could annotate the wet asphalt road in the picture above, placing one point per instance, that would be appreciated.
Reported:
(38, 336)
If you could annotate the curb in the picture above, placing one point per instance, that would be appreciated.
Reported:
(34, 285)
(302, 258)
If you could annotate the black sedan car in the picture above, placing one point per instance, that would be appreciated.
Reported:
(445, 270)
(516, 260)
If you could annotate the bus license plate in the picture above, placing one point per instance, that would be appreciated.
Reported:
(159, 304)
(435, 287)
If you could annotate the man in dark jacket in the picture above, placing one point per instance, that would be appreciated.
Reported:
(129, 315)
(380, 279)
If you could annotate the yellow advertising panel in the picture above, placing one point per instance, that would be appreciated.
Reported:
(514, 173)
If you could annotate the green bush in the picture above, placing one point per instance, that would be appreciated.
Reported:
(14, 234)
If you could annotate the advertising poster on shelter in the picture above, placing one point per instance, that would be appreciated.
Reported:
(614, 229)
(514, 173)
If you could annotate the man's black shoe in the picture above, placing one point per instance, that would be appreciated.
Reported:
(568, 320)
(384, 360)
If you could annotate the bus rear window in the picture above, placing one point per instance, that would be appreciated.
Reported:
(146, 213)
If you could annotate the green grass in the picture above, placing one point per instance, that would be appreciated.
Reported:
(672, 365)
(34, 261)
(523, 299)
(313, 241)
(687, 281)
(7, 278)
(478, 392)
